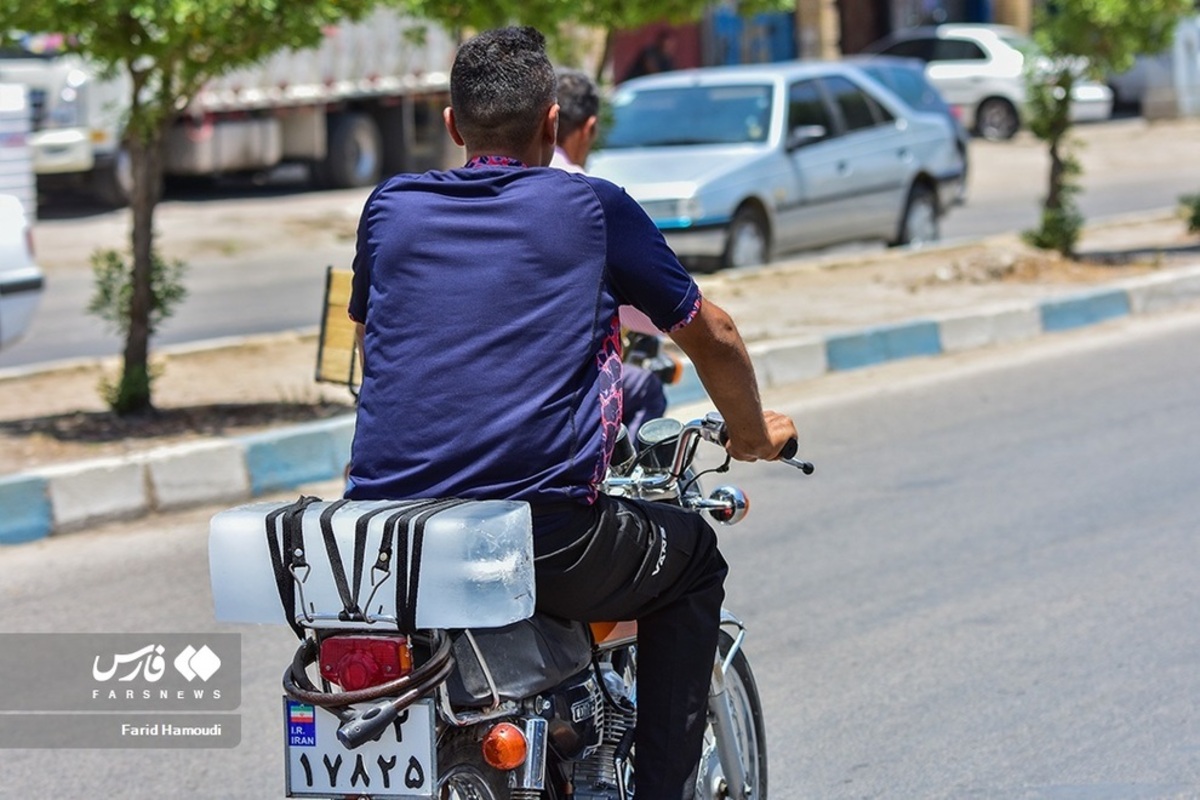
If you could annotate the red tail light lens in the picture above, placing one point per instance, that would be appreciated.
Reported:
(359, 662)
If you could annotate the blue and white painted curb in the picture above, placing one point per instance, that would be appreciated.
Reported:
(72, 496)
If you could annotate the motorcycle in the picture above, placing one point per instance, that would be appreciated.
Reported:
(415, 702)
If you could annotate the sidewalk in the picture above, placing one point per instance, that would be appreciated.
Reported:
(803, 319)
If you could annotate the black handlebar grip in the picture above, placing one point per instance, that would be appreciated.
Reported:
(790, 449)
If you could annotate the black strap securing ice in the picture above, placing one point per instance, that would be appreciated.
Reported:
(349, 601)
(285, 543)
(361, 526)
(406, 595)
(394, 527)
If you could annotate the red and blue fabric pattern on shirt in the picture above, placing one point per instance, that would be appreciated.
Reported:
(608, 360)
(494, 161)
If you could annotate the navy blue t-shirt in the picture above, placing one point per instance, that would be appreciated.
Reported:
(492, 352)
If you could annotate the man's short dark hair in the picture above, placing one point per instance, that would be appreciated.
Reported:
(578, 101)
(500, 87)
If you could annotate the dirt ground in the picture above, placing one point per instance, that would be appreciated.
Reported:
(268, 380)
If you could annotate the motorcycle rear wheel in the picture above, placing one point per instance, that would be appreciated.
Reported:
(464, 775)
(749, 733)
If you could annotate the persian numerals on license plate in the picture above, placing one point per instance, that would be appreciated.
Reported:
(401, 765)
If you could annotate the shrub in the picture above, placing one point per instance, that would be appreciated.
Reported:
(1190, 206)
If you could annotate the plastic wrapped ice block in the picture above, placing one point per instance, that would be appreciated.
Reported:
(475, 565)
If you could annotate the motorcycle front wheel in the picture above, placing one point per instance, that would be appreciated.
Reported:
(464, 775)
(749, 733)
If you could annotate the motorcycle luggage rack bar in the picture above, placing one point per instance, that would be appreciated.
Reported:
(499, 707)
(464, 719)
(311, 619)
(483, 665)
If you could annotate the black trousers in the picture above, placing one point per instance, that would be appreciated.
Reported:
(624, 559)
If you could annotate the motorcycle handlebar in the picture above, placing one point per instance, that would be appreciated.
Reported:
(712, 429)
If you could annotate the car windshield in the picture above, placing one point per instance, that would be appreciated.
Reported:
(690, 115)
(910, 85)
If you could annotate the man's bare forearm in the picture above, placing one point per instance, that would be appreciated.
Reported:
(712, 342)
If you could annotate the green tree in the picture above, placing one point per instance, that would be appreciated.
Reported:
(168, 49)
(550, 16)
(1079, 38)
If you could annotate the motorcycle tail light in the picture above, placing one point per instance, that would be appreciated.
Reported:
(359, 662)
(505, 747)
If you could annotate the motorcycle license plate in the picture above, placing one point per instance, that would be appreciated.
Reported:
(400, 765)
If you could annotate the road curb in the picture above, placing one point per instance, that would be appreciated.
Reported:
(63, 498)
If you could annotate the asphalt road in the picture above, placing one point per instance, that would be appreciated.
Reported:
(1129, 167)
(988, 590)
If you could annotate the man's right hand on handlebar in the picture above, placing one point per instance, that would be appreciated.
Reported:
(778, 430)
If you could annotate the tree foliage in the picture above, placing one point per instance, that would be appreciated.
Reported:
(549, 15)
(1078, 39)
(168, 50)
(559, 19)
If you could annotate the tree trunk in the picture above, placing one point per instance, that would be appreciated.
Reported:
(134, 395)
(1057, 171)
(610, 36)
(1059, 128)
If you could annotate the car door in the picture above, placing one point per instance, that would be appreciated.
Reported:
(959, 71)
(878, 160)
(955, 67)
(810, 213)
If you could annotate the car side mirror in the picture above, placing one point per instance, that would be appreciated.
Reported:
(803, 135)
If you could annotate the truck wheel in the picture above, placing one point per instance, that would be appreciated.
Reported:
(355, 153)
(112, 180)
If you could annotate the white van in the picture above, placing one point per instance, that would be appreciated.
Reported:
(16, 158)
(21, 279)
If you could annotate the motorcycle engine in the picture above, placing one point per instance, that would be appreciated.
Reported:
(605, 773)
(576, 716)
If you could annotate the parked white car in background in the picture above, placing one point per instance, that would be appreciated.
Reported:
(735, 164)
(980, 69)
(21, 279)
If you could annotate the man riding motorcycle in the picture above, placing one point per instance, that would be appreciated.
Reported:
(486, 303)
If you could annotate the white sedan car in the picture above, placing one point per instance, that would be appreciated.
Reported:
(980, 70)
(735, 164)
(20, 277)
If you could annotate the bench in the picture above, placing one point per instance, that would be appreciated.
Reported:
(337, 347)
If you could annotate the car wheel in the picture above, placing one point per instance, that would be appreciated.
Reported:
(749, 240)
(960, 191)
(919, 225)
(997, 119)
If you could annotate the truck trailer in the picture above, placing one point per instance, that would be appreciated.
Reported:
(364, 103)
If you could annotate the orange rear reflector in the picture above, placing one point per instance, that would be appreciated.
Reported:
(504, 747)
